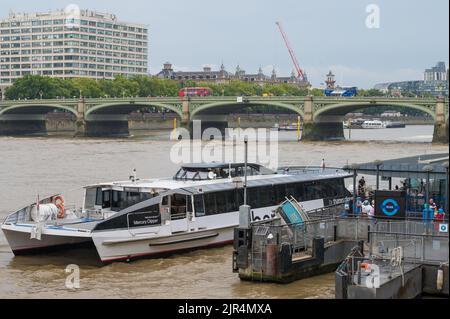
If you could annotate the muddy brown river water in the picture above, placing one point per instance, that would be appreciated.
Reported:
(52, 164)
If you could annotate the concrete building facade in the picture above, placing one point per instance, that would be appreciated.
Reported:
(435, 83)
(436, 73)
(71, 44)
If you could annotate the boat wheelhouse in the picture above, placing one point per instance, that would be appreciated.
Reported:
(197, 207)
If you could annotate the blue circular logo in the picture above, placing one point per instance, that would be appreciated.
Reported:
(390, 207)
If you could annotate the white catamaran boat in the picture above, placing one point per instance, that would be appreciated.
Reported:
(373, 124)
(198, 207)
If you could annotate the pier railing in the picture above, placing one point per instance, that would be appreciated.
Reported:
(415, 248)
(392, 244)
(300, 237)
(420, 241)
(393, 250)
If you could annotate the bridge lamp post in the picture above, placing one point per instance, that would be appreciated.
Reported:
(378, 163)
(428, 169)
(245, 170)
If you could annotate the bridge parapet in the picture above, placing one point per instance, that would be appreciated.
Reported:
(314, 110)
(196, 102)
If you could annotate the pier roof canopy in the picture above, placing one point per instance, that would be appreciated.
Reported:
(409, 167)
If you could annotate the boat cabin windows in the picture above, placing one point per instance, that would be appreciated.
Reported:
(199, 205)
(179, 205)
(216, 203)
(90, 198)
(266, 196)
(219, 171)
(113, 199)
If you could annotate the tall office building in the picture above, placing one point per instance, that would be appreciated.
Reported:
(436, 73)
(71, 43)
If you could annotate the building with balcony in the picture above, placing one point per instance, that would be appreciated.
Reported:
(436, 73)
(67, 44)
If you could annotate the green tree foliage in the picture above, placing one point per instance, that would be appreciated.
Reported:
(370, 93)
(317, 92)
(36, 86)
(84, 87)
(30, 86)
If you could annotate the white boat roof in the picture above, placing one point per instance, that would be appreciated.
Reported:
(153, 185)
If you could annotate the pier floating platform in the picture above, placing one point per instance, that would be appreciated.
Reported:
(409, 257)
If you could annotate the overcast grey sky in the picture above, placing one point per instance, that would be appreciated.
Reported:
(325, 34)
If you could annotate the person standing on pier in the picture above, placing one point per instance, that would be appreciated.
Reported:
(362, 187)
(372, 210)
(433, 205)
(427, 217)
(366, 208)
(439, 217)
(322, 164)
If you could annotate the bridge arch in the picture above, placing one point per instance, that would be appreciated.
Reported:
(131, 107)
(344, 108)
(40, 108)
(210, 106)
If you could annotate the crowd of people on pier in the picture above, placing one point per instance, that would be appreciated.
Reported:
(365, 205)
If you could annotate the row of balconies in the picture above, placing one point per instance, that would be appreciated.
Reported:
(114, 67)
(73, 73)
(10, 35)
(29, 43)
(6, 25)
(116, 40)
(14, 51)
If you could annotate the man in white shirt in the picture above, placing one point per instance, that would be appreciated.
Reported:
(366, 207)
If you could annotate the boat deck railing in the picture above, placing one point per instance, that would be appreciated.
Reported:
(295, 170)
(23, 215)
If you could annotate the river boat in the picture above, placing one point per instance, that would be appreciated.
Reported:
(196, 208)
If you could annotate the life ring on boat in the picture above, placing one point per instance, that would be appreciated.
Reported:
(59, 202)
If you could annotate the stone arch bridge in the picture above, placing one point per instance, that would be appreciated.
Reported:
(322, 116)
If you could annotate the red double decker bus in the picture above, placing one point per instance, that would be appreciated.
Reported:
(195, 91)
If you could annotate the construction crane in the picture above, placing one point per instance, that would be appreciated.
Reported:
(300, 74)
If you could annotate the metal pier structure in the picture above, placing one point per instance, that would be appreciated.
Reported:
(270, 252)
(404, 260)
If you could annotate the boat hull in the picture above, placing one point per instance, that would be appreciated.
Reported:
(119, 246)
(21, 244)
